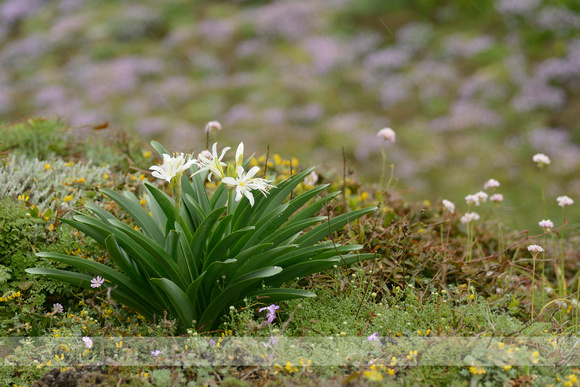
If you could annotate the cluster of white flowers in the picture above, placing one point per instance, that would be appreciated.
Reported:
(449, 206)
(469, 217)
(496, 198)
(244, 182)
(476, 198)
(564, 201)
(546, 224)
(387, 134)
(541, 159)
(491, 183)
(535, 249)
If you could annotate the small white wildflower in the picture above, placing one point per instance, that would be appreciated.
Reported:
(97, 282)
(472, 199)
(564, 201)
(491, 183)
(541, 159)
(469, 217)
(212, 126)
(482, 196)
(535, 249)
(449, 206)
(496, 198)
(57, 308)
(156, 353)
(387, 134)
(546, 224)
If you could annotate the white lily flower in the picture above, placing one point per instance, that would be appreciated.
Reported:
(245, 183)
(213, 163)
(172, 166)
(240, 155)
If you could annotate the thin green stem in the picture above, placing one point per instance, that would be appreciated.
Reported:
(176, 185)
(543, 191)
(384, 155)
(533, 281)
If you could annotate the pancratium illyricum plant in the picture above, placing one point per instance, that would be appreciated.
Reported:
(198, 252)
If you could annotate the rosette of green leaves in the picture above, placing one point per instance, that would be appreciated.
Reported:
(198, 263)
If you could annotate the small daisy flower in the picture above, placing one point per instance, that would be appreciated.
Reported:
(57, 308)
(88, 342)
(541, 159)
(496, 198)
(97, 282)
(546, 224)
(469, 217)
(564, 201)
(387, 134)
(491, 183)
(448, 206)
(373, 337)
(535, 249)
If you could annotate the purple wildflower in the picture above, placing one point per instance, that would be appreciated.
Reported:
(271, 314)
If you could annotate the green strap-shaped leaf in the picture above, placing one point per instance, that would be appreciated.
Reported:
(124, 283)
(99, 212)
(130, 204)
(155, 251)
(278, 194)
(264, 259)
(186, 260)
(213, 278)
(84, 281)
(164, 202)
(156, 212)
(219, 232)
(180, 304)
(311, 210)
(194, 211)
(313, 253)
(273, 295)
(159, 148)
(196, 189)
(242, 257)
(219, 197)
(119, 256)
(195, 298)
(301, 270)
(319, 232)
(201, 236)
(234, 293)
(284, 233)
(100, 231)
(172, 244)
(221, 248)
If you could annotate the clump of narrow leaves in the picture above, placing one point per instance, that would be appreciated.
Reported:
(201, 255)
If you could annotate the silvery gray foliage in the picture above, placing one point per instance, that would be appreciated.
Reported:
(44, 186)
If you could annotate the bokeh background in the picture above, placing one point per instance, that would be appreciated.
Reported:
(473, 88)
